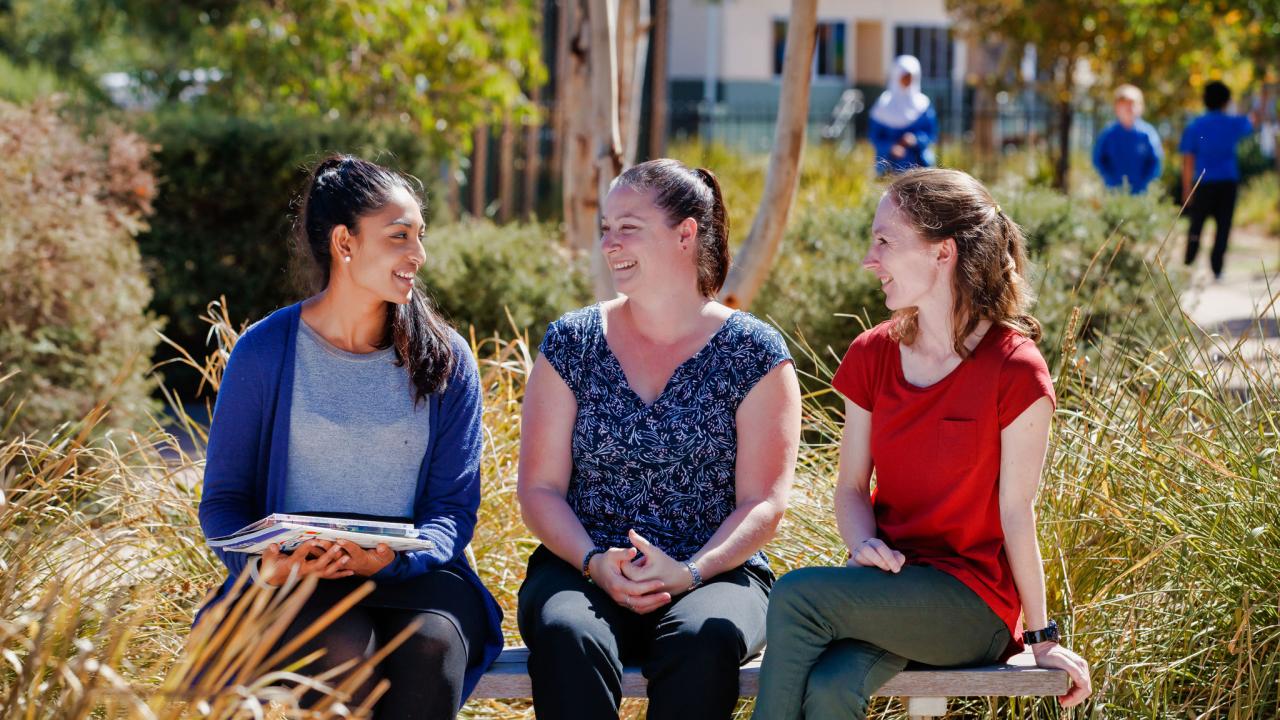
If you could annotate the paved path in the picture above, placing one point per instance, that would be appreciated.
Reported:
(1253, 262)
(1244, 301)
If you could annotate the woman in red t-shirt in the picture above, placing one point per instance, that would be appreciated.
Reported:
(949, 402)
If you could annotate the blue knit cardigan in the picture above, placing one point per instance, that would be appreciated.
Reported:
(248, 455)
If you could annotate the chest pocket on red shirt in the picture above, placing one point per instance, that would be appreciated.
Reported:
(957, 445)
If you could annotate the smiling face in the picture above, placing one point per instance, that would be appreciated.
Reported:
(385, 249)
(642, 250)
(911, 269)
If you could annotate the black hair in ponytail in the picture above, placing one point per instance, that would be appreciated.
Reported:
(684, 193)
(343, 189)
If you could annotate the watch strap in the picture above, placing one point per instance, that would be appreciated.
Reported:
(697, 575)
(1045, 634)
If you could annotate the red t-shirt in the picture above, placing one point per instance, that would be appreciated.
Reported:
(936, 454)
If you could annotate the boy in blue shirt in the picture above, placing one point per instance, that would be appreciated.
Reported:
(1128, 151)
(1208, 150)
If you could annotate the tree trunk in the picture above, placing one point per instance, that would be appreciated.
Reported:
(566, 34)
(577, 174)
(633, 52)
(452, 193)
(1062, 168)
(611, 51)
(507, 171)
(658, 83)
(479, 170)
(605, 130)
(756, 255)
(532, 135)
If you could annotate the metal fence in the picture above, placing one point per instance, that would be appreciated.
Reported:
(1019, 135)
(986, 138)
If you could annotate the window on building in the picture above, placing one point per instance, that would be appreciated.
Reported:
(933, 46)
(828, 56)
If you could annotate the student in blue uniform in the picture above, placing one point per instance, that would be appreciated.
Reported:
(1208, 150)
(903, 123)
(1127, 153)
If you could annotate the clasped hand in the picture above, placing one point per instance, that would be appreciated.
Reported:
(326, 560)
(641, 585)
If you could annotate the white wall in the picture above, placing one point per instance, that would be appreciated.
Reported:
(746, 32)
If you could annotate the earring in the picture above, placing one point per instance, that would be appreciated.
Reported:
(346, 258)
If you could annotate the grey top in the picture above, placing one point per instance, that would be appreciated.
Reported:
(356, 438)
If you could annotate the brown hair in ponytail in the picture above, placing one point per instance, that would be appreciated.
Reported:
(990, 252)
(684, 193)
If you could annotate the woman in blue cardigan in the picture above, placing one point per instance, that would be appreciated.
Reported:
(360, 401)
(903, 123)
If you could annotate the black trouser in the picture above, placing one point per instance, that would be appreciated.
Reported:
(426, 672)
(690, 650)
(1216, 200)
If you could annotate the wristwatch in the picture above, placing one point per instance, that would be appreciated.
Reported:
(1046, 634)
(697, 576)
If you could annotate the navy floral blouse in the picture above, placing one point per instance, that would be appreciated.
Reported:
(665, 469)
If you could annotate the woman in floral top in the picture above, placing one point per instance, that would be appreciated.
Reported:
(658, 445)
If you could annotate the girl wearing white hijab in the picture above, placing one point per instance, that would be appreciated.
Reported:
(903, 123)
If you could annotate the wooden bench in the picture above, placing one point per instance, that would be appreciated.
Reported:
(926, 689)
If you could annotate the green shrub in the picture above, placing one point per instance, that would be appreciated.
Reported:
(1260, 203)
(828, 179)
(477, 272)
(223, 211)
(73, 295)
(1094, 254)
(817, 289)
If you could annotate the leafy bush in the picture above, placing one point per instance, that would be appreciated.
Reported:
(73, 295)
(817, 289)
(828, 179)
(223, 211)
(477, 272)
(1260, 203)
(1094, 254)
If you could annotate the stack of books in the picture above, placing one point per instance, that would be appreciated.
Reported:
(290, 531)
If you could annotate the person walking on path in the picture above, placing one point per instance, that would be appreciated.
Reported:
(903, 123)
(1208, 150)
(1128, 153)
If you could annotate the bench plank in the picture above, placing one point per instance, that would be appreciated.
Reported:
(509, 678)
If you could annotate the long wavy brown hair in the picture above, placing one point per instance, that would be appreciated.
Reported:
(991, 253)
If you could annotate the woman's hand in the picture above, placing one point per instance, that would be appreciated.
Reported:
(1052, 655)
(872, 552)
(657, 565)
(365, 562)
(609, 571)
(313, 557)
(908, 140)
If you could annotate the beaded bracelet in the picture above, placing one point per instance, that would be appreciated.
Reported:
(586, 561)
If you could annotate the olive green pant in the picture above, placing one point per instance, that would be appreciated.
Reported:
(835, 635)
